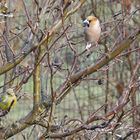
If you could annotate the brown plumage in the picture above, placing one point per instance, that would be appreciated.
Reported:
(92, 31)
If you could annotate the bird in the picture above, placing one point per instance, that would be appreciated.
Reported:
(7, 101)
(92, 31)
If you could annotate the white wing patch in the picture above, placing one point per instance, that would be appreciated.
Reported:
(88, 46)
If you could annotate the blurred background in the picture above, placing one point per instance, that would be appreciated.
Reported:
(22, 20)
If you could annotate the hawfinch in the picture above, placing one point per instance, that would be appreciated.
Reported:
(92, 31)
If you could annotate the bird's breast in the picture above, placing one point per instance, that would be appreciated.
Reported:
(92, 33)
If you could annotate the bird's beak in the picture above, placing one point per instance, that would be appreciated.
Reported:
(86, 23)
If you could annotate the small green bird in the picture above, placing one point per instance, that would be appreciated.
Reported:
(7, 101)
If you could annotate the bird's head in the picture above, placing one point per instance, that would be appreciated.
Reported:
(10, 92)
(90, 20)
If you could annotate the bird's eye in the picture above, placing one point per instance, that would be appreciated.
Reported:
(86, 23)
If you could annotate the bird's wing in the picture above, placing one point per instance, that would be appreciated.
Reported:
(12, 102)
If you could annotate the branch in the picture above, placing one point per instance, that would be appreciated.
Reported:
(37, 82)
(80, 128)
(15, 62)
(75, 78)
(28, 120)
(124, 99)
(47, 38)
